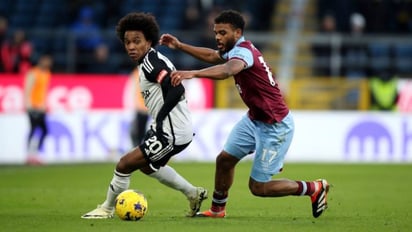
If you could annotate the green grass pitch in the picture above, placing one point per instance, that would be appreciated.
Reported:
(364, 197)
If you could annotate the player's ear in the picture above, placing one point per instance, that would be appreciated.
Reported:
(149, 44)
(238, 32)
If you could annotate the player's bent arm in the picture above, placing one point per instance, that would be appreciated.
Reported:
(173, 96)
(222, 71)
(205, 54)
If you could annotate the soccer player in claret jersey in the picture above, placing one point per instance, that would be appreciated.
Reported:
(268, 126)
(171, 131)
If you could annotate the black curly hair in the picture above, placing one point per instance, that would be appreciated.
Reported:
(231, 17)
(137, 21)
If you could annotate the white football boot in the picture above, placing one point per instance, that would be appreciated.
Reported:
(99, 213)
(196, 202)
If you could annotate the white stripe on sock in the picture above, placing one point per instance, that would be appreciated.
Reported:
(304, 188)
(220, 201)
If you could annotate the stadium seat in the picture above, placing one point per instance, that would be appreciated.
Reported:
(379, 49)
(20, 21)
(355, 63)
(23, 14)
(168, 19)
(44, 20)
(26, 6)
(60, 62)
(170, 23)
(138, 5)
(51, 14)
(41, 44)
(403, 58)
(379, 57)
(5, 7)
(59, 44)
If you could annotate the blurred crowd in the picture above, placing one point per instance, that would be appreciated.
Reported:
(89, 21)
(84, 31)
(367, 49)
(358, 20)
(378, 16)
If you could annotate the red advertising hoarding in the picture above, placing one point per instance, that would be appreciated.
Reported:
(69, 92)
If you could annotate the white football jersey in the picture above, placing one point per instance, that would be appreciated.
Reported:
(154, 69)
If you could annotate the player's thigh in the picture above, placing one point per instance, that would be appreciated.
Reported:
(157, 154)
(272, 144)
(241, 140)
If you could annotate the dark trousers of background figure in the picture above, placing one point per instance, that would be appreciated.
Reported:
(138, 129)
(37, 122)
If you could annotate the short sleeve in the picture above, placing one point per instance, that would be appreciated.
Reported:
(241, 53)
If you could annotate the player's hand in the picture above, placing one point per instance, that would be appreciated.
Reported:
(178, 76)
(169, 41)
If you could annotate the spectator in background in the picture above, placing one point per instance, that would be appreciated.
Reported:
(341, 11)
(383, 92)
(87, 36)
(86, 31)
(355, 55)
(16, 54)
(193, 14)
(4, 26)
(357, 24)
(324, 51)
(102, 62)
(35, 91)
(3, 35)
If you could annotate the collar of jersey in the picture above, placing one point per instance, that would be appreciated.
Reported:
(240, 40)
(141, 60)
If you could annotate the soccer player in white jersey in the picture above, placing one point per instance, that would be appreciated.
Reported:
(171, 131)
(268, 126)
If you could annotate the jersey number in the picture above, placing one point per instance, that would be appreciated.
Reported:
(153, 145)
(270, 76)
(269, 155)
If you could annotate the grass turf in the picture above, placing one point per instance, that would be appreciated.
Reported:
(52, 198)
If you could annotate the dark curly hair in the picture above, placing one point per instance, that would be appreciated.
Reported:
(231, 17)
(137, 21)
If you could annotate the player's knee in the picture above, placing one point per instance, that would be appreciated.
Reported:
(226, 161)
(124, 166)
(257, 188)
(121, 165)
(220, 159)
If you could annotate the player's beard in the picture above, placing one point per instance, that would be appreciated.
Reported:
(229, 45)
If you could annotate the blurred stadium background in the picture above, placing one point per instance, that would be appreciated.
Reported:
(337, 63)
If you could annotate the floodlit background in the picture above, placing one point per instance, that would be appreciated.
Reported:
(337, 63)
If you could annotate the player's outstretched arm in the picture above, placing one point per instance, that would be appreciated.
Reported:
(205, 54)
(216, 72)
